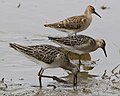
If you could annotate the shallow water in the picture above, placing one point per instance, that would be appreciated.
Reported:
(24, 25)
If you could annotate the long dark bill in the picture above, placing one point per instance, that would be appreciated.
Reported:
(97, 14)
(75, 81)
(104, 52)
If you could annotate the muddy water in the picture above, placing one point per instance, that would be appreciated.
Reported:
(24, 25)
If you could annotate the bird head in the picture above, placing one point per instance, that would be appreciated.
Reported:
(101, 44)
(92, 10)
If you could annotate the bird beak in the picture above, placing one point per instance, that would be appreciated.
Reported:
(75, 80)
(97, 14)
(104, 51)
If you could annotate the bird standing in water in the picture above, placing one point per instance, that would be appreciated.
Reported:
(47, 56)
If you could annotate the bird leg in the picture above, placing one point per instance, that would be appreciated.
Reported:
(75, 81)
(40, 75)
(55, 78)
(79, 61)
(75, 34)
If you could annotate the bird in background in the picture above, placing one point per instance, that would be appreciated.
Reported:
(75, 24)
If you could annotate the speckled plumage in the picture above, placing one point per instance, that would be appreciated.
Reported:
(44, 53)
(78, 40)
(71, 23)
(75, 24)
(79, 44)
(47, 56)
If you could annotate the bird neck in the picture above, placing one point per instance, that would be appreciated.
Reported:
(87, 13)
(96, 46)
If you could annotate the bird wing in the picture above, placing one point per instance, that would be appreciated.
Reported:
(46, 54)
(74, 22)
(81, 42)
(85, 45)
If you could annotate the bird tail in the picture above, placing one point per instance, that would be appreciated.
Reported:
(15, 46)
(19, 48)
(46, 25)
(54, 25)
(53, 38)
